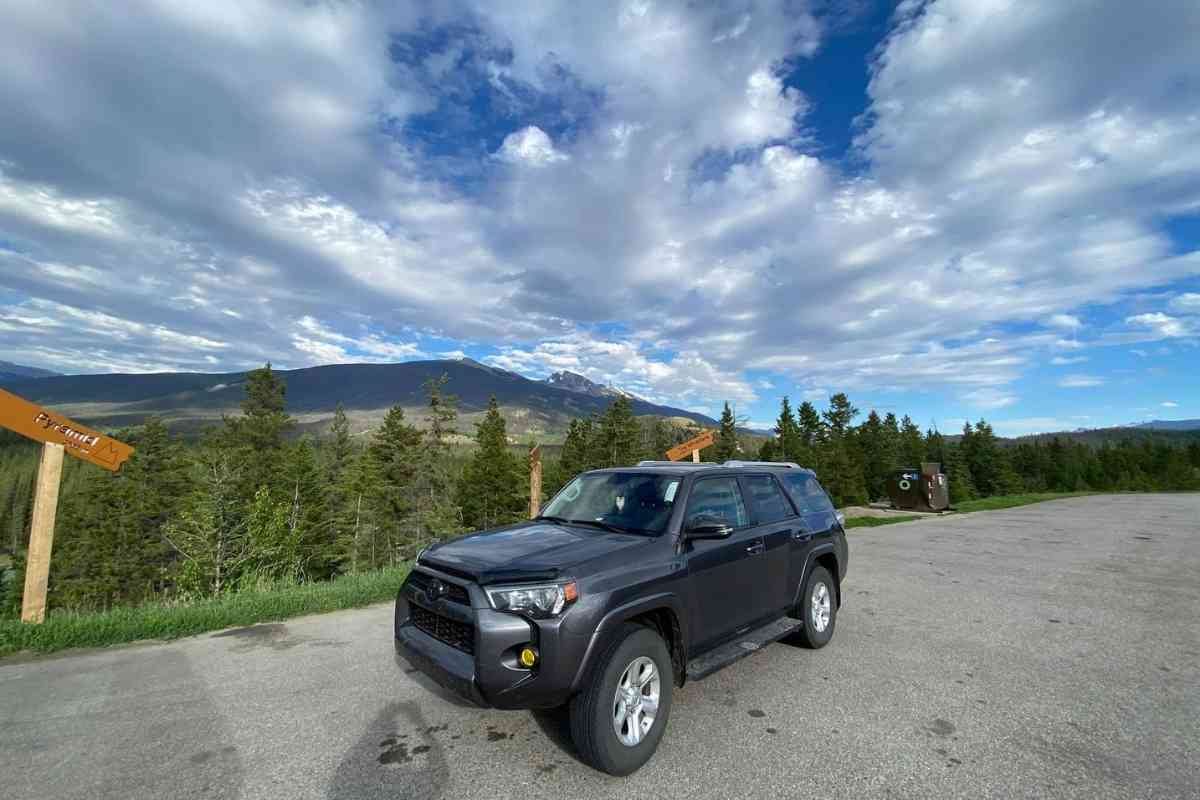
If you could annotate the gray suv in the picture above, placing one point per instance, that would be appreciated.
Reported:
(631, 582)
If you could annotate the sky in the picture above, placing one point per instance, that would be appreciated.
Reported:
(955, 210)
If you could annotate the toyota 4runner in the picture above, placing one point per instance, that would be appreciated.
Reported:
(631, 581)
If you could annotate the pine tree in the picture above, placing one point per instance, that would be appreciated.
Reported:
(726, 446)
(812, 434)
(787, 434)
(305, 498)
(841, 458)
(493, 489)
(209, 534)
(616, 441)
(574, 457)
(878, 456)
(912, 444)
(660, 438)
(258, 434)
(395, 448)
(110, 549)
(272, 542)
(958, 474)
(436, 514)
(339, 456)
(357, 514)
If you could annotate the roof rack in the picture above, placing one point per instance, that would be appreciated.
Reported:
(789, 464)
(678, 464)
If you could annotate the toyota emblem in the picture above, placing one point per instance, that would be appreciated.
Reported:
(434, 590)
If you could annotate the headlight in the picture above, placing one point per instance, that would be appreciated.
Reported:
(539, 601)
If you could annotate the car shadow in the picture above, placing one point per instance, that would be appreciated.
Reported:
(555, 724)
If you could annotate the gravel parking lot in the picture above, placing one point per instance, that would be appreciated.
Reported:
(1044, 651)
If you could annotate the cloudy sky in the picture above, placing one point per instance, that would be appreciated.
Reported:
(956, 209)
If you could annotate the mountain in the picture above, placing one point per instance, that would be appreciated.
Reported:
(574, 382)
(1171, 425)
(17, 372)
(191, 400)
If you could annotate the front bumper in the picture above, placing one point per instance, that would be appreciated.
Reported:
(483, 669)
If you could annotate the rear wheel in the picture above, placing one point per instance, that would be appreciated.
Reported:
(618, 720)
(818, 609)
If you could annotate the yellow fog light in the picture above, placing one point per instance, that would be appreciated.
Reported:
(529, 657)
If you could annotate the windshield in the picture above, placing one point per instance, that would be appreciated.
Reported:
(625, 500)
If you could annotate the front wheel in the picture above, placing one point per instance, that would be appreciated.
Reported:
(618, 720)
(818, 609)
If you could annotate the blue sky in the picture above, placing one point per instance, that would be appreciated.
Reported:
(949, 209)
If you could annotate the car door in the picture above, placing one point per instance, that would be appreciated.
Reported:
(724, 574)
(775, 520)
(818, 520)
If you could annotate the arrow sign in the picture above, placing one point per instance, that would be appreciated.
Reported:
(695, 443)
(44, 425)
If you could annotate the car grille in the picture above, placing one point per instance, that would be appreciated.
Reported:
(458, 635)
(454, 592)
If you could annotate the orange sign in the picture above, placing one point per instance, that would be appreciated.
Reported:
(42, 425)
(695, 443)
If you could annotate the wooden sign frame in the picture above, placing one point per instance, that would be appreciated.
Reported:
(58, 435)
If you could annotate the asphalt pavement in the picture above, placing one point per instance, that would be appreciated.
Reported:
(1044, 651)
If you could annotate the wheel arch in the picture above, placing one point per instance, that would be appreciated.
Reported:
(662, 612)
(823, 555)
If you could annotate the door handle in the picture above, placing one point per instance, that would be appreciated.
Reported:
(756, 548)
(801, 535)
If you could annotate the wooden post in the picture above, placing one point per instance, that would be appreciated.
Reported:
(695, 456)
(535, 481)
(41, 534)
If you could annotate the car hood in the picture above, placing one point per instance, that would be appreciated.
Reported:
(527, 551)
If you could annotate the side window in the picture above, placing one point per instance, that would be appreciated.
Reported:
(769, 503)
(807, 493)
(720, 498)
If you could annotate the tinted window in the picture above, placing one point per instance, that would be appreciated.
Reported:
(720, 498)
(769, 503)
(807, 493)
(632, 500)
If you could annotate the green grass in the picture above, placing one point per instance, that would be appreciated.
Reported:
(1012, 501)
(64, 629)
(875, 522)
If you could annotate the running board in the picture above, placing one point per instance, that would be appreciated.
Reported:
(741, 647)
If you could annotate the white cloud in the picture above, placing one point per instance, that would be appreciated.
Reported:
(988, 398)
(1188, 302)
(1080, 381)
(1160, 324)
(1169, 404)
(530, 146)
(683, 378)
(1065, 321)
(1060, 361)
(326, 346)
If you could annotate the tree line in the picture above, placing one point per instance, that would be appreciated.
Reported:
(251, 502)
(855, 462)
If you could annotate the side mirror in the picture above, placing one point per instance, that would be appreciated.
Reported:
(704, 526)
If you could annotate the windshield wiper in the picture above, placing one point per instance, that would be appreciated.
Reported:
(608, 526)
(552, 518)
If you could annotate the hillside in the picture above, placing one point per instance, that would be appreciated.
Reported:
(191, 400)
(18, 372)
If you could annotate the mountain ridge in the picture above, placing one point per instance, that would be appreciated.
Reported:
(19, 372)
(192, 399)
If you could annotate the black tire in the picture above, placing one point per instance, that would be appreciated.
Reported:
(810, 636)
(592, 709)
